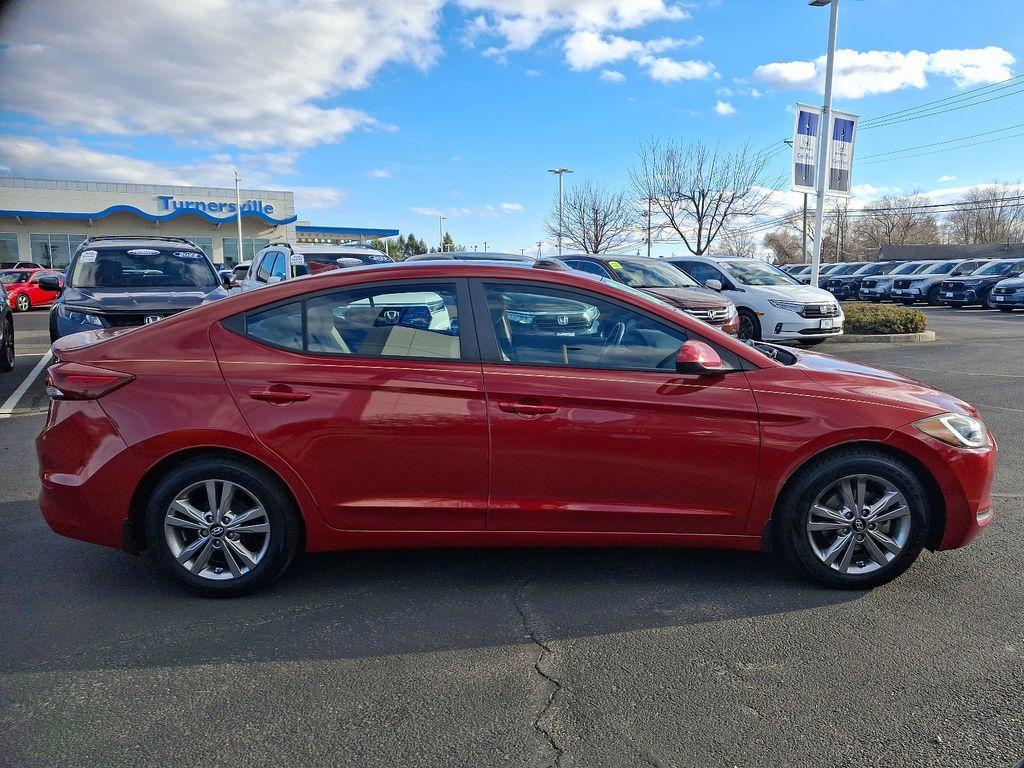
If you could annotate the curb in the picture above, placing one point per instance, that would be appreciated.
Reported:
(884, 338)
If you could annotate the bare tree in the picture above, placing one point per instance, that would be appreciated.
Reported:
(595, 220)
(697, 190)
(736, 244)
(990, 214)
(896, 221)
(785, 245)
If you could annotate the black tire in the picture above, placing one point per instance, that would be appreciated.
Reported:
(750, 326)
(792, 512)
(7, 350)
(23, 303)
(956, 305)
(1005, 309)
(285, 530)
(907, 302)
(933, 297)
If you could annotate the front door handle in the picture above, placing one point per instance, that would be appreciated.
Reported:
(527, 408)
(279, 395)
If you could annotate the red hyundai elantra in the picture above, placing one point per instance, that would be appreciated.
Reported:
(465, 404)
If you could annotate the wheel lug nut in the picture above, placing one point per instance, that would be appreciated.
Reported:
(209, 518)
(860, 537)
(216, 544)
(871, 526)
(204, 532)
(846, 529)
(232, 536)
(848, 515)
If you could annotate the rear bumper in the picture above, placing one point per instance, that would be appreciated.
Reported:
(964, 477)
(86, 474)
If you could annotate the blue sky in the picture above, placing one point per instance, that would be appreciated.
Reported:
(383, 114)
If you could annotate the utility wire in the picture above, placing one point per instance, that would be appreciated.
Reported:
(947, 141)
(985, 90)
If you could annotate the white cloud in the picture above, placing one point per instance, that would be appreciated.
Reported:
(486, 211)
(612, 76)
(724, 108)
(864, 73)
(511, 207)
(946, 178)
(69, 159)
(588, 49)
(534, 73)
(666, 70)
(246, 74)
(379, 173)
(521, 23)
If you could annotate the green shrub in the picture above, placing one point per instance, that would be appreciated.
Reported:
(882, 318)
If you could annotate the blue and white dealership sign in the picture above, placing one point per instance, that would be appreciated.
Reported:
(805, 148)
(169, 203)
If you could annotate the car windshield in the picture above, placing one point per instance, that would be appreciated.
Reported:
(939, 268)
(995, 268)
(826, 269)
(9, 278)
(635, 292)
(638, 274)
(141, 267)
(910, 268)
(1016, 270)
(757, 273)
(323, 261)
(874, 268)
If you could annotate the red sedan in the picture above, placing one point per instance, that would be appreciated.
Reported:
(23, 289)
(461, 404)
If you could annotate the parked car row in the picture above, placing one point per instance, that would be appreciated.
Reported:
(993, 283)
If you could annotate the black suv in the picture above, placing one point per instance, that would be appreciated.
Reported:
(6, 332)
(127, 281)
(848, 286)
(976, 287)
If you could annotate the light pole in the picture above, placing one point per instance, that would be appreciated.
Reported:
(823, 135)
(440, 233)
(238, 217)
(559, 172)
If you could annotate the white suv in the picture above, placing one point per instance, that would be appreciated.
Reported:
(772, 305)
(283, 261)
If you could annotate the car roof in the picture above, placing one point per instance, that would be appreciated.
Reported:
(137, 242)
(326, 247)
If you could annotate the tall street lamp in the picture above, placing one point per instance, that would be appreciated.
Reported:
(440, 233)
(559, 172)
(823, 135)
(238, 208)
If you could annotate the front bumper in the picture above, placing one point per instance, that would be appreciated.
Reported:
(1015, 300)
(906, 294)
(842, 292)
(959, 296)
(878, 292)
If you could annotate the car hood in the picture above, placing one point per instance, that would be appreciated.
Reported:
(690, 298)
(142, 300)
(805, 293)
(849, 379)
(1012, 282)
(974, 279)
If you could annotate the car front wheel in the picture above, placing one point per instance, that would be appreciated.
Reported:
(221, 527)
(855, 520)
(7, 352)
(23, 303)
(750, 326)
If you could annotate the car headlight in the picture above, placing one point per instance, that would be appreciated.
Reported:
(730, 312)
(789, 306)
(79, 316)
(955, 429)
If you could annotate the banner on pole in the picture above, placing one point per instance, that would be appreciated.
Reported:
(840, 154)
(805, 148)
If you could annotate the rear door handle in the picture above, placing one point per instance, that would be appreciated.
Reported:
(279, 395)
(527, 408)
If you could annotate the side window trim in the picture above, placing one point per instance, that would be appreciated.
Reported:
(469, 347)
(488, 345)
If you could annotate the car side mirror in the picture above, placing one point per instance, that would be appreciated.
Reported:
(698, 359)
(50, 283)
(273, 279)
(714, 285)
(227, 281)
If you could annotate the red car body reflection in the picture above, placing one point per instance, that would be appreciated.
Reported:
(405, 452)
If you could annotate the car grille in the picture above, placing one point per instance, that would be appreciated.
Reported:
(711, 316)
(562, 323)
(1002, 291)
(901, 283)
(129, 319)
(869, 284)
(820, 310)
(948, 285)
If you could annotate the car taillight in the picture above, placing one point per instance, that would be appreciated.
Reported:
(76, 381)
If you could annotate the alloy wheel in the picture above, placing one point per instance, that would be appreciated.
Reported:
(8, 348)
(217, 529)
(746, 327)
(859, 524)
(23, 303)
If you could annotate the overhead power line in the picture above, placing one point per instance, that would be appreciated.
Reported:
(947, 141)
(947, 149)
(983, 90)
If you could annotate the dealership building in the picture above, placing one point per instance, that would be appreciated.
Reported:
(44, 220)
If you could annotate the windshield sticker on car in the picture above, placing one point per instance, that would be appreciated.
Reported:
(88, 257)
(187, 255)
(614, 265)
(379, 259)
(297, 258)
(143, 252)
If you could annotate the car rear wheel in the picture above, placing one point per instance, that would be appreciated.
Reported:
(855, 520)
(750, 326)
(7, 353)
(23, 303)
(1006, 309)
(221, 527)
(933, 296)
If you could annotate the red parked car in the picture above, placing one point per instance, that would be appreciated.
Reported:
(23, 289)
(464, 404)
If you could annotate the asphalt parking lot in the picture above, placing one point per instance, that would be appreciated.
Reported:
(525, 658)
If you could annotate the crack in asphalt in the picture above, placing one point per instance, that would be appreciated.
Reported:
(554, 683)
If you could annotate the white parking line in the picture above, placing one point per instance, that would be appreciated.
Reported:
(12, 401)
